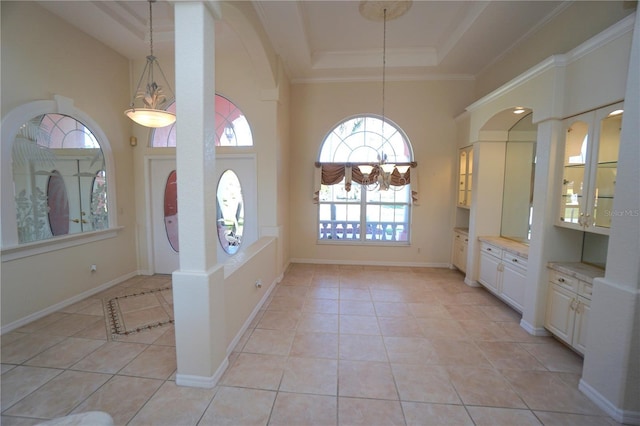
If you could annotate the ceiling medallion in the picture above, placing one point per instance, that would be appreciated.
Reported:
(374, 10)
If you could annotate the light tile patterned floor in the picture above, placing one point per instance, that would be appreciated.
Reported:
(343, 345)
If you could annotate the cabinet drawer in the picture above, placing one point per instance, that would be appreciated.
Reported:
(491, 249)
(514, 259)
(461, 237)
(585, 289)
(563, 280)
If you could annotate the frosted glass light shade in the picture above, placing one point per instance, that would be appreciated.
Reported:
(365, 169)
(387, 168)
(151, 117)
(402, 169)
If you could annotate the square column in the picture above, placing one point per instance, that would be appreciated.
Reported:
(198, 286)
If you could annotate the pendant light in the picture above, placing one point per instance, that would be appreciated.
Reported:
(383, 10)
(152, 94)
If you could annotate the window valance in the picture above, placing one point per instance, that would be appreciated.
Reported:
(334, 173)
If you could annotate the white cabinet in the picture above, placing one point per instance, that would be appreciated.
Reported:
(460, 244)
(465, 177)
(503, 273)
(568, 306)
(591, 146)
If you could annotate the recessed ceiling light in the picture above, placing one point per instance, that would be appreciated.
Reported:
(616, 112)
(518, 110)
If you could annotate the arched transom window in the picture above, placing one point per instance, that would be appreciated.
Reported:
(232, 127)
(364, 179)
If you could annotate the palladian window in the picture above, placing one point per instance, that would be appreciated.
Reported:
(363, 183)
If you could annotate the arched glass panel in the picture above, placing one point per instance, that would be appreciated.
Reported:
(56, 160)
(232, 127)
(171, 210)
(354, 211)
(230, 212)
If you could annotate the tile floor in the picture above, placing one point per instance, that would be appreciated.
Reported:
(333, 345)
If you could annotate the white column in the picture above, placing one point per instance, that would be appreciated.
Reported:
(198, 286)
(611, 373)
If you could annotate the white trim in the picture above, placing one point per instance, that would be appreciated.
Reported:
(57, 243)
(534, 331)
(61, 305)
(371, 263)
(610, 34)
(627, 417)
(471, 283)
(203, 381)
(11, 124)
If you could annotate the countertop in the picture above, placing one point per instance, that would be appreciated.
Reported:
(508, 245)
(464, 231)
(579, 270)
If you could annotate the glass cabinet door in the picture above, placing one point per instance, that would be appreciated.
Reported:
(462, 178)
(606, 168)
(573, 180)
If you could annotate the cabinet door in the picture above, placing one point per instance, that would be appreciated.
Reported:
(577, 143)
(469, 189)
(560, 314)
(489, 274)
(463, 253)
(462, 178)
(513, 285)
(608, 125)
(580, 327)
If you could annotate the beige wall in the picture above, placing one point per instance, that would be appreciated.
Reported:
(573, 26)
(42, 56)
(425, 110)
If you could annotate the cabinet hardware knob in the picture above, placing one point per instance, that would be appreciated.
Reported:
(515, 260)
(75, 220)
(561, 280)
(489, 249)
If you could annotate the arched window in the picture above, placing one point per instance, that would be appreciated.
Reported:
(232, 128)
(57, 167)
(365, 177)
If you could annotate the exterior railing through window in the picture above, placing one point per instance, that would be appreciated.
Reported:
(350, 230)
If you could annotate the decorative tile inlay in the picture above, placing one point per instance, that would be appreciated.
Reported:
(146, 315)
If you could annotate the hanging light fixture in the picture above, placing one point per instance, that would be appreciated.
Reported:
(382, 170)
(152, 94)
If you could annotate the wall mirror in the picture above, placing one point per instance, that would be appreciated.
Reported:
(519, 172)
(59, 178)
(230, 212)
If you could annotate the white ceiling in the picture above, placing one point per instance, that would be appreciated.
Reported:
(330, 40)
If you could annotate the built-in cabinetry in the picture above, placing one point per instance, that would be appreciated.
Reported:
(460, 244)
(569, 302)
(503, 269)
(465, 177)
(591, 146)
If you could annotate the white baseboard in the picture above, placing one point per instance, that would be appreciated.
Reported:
(534, 331)
(626, 417)
(371, 263)
(201, 381)
(60, 305)
(471, 283)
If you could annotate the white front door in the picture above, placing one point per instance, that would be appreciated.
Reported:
(165, 225)
(165, 247)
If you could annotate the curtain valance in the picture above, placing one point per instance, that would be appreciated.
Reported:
(333, 173)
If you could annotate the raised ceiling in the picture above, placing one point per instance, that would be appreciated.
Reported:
(331, 40)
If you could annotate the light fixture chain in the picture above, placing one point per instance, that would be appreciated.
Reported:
(384, 62)
(151, 26)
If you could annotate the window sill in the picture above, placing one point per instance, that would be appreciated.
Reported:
(375, 243)
(58, 243)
